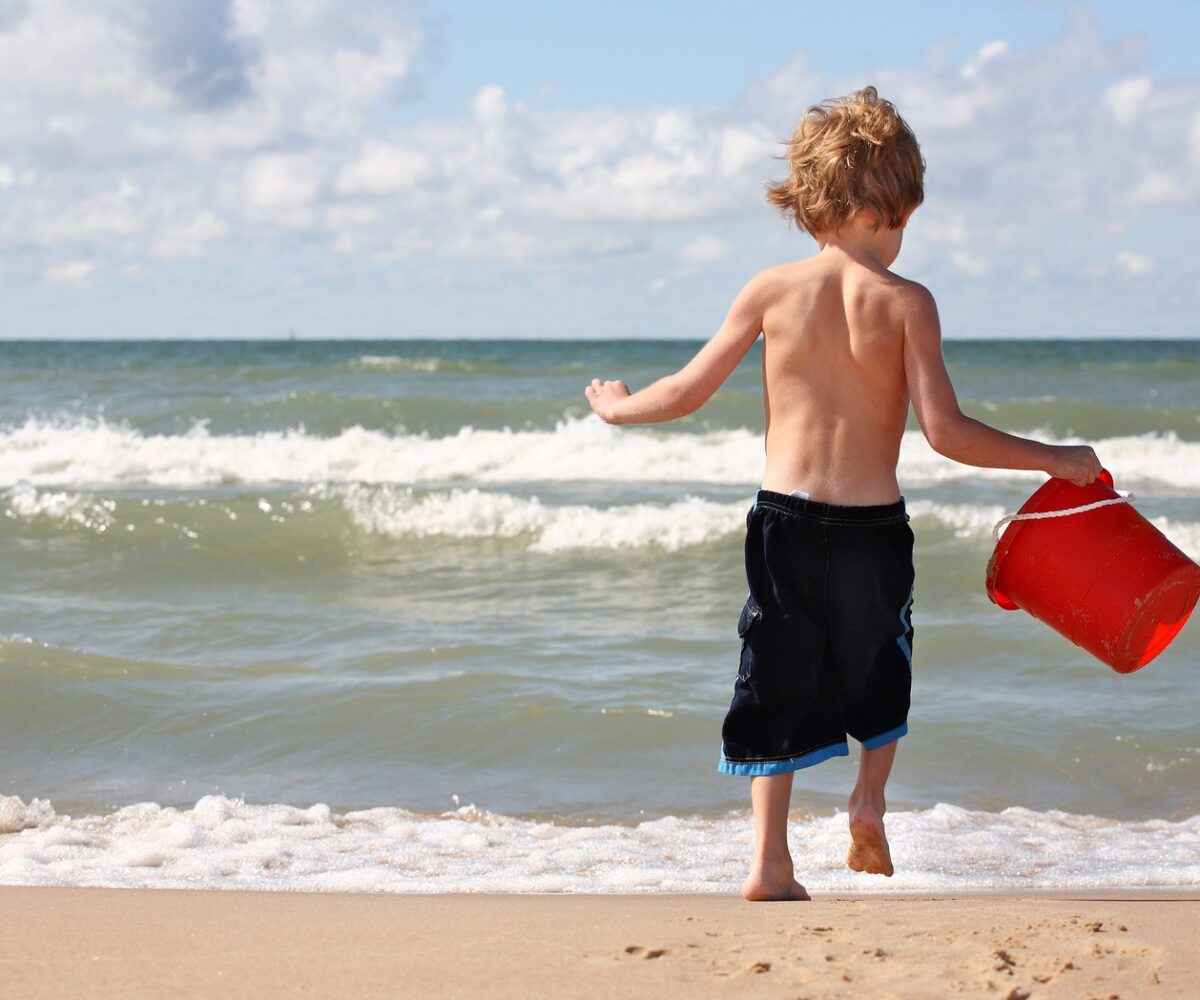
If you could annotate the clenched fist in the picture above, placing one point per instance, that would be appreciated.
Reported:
(1075, 462)
(603, 397)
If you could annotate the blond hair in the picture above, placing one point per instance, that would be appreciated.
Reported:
(850, 153)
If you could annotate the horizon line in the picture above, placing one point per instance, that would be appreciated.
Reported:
(1018, 338)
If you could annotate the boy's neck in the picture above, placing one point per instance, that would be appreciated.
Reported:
(860, 253)
(862, 242)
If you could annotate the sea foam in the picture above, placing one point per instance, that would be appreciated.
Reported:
(471, 513)
(222, 843)
(94, 452)
(474, 513)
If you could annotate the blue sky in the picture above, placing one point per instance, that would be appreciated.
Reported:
(237, 168)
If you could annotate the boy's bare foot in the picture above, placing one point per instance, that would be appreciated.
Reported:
(869, 850)
(759, 890)
(767, 882)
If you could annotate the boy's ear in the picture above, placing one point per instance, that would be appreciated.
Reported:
(867, 218)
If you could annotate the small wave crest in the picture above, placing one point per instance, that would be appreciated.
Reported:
(395, 362)
(474, 513)
(406, 512)
(223, 843)
(25, 502)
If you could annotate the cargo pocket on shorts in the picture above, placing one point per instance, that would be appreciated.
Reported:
(751, 615)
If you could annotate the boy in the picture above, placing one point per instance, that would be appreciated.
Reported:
(826, 628)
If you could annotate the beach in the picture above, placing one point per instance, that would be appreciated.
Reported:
(131, 944)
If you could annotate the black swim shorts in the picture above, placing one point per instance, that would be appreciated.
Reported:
(826, 634)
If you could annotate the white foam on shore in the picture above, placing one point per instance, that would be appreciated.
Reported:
(75, 452)
(223, 843)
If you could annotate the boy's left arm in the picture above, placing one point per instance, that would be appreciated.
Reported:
(682, 392)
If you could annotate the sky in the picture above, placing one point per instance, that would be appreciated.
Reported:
(309, 168)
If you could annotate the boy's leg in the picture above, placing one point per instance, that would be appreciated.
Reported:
(771, 872)
(868, 843)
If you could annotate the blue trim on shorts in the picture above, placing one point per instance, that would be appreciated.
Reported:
(757, 768)
(883, 739)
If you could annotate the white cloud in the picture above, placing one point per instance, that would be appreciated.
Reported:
(105, 215)
(744, 147)
(968, 263)
(322, 64)
(281, 187)
(190, 238)
(136, 139)
(705, 250)
(986, 54)
(490, 104)
(73, 272)
(1134, 264)
(383, 169)
(1126, 98)
(1158, 187)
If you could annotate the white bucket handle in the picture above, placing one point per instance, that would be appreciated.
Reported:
(1124, 496)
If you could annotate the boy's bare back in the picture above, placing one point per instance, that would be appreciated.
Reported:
(847, 343)
(835, 397)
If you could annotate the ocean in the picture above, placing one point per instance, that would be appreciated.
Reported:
(405, 616)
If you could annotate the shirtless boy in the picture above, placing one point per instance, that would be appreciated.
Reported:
(826, 628)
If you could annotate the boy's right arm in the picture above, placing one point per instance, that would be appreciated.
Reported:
(952, 433)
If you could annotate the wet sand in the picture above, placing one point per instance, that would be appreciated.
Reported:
(135, 943)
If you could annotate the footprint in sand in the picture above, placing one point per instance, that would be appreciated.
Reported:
(637, 949)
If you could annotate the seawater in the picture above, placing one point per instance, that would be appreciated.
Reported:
(404, 615)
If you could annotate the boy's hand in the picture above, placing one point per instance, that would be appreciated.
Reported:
(1075, 462)
(603, 397)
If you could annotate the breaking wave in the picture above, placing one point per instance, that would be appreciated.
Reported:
(94, 452)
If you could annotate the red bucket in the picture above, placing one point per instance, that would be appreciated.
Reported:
(1107, 579)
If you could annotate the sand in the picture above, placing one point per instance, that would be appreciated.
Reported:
(135, 943)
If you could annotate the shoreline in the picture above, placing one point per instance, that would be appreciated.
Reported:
(1147, 894)
(228, 844)
(142, 943)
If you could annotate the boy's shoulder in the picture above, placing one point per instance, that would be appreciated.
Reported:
(909, 295)
(778, 279)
